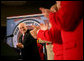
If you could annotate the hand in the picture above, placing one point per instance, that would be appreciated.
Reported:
(45, 12)
(44, 26)
(53, 8)
(19, 45)
(50, 25)
(34, 31)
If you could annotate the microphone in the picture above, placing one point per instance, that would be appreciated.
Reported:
(10, 35)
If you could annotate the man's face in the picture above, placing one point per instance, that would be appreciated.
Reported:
(23, 28)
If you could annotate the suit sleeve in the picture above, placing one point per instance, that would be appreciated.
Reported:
(29, 40)
(68, 16)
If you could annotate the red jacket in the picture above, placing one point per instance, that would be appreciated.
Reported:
(69, 21)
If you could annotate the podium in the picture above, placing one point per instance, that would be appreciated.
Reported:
(8, 53)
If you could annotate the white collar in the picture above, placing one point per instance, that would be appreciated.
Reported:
(23, 34)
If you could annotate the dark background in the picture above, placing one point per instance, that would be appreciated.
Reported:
(16, 8)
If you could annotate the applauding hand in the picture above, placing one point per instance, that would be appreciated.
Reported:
(34, 31)
(45, 12)
(44, 26)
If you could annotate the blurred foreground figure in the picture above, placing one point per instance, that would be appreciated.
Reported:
(69, 21)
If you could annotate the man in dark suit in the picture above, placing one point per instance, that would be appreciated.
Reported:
(27, 43)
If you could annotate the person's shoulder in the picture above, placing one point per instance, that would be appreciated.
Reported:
(28, 31)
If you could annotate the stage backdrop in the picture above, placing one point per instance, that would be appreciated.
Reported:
(13, 22)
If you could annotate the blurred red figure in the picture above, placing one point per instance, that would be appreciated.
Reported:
(40, 48)
(69, 20)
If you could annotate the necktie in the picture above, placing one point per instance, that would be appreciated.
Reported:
(22, 38)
